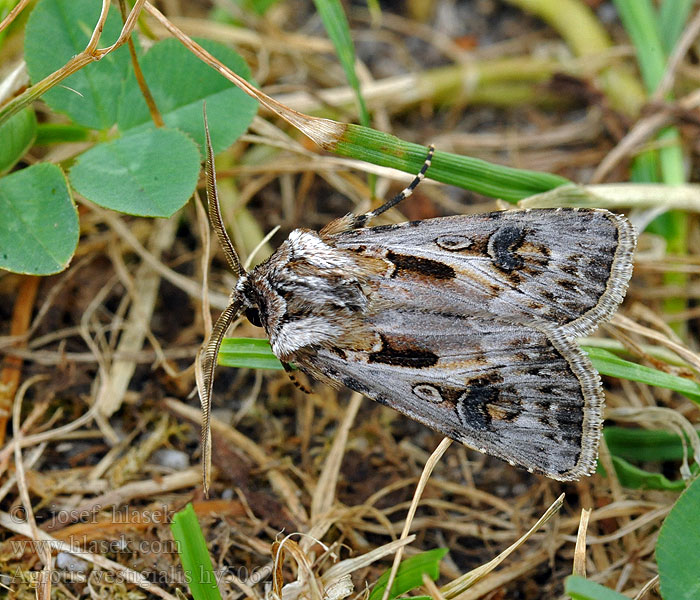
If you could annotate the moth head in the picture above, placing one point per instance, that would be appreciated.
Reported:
(206, 357)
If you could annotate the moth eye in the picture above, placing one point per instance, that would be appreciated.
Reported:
(253, 315)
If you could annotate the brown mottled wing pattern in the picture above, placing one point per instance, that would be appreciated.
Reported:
(476, 318)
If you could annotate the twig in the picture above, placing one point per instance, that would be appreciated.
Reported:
(87, 56)
(12, 15)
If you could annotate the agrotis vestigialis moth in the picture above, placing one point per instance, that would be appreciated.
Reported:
(466, 324)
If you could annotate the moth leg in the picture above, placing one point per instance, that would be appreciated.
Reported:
(362, 220)
(293, 378)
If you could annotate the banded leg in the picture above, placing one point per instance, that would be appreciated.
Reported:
(362, 220)
(293, 378)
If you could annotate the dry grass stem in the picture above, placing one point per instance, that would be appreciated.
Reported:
(422, 482)
(457, 588)
(135, 326)
(580, 550)
(324, 494)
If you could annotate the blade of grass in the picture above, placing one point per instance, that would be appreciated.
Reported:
(58, 133)
(194, 555)
(248, 353)
(634, 478)
(477, 175)
(410, 573)
(580, 588)
(617, 348)
(640, 21)
(338, 29)
(607, 363)
(673, 16)
(647, 445)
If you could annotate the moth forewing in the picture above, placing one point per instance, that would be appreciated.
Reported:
(620, 272)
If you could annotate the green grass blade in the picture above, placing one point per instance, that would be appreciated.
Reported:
(194, 555)
(649, 446)
(645, 168)
(338, 29)
(580, 588)
(58, 133)
(248, 353)
(673, 16)
(640, 21)
(474, 174)
(645, 445)
(410, 574)
(634, 478)
(607, 363)
(671, 157)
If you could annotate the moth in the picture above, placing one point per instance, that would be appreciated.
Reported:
(466, 324)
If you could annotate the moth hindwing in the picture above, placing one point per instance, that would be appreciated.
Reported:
(466, 324)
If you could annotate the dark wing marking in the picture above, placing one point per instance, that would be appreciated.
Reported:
(530, 398)
(566, 268)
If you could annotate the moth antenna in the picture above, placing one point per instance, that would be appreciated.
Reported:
(213, 204)
(204, 367)
(361, 220)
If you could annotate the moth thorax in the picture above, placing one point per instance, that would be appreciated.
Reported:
(308, 294)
